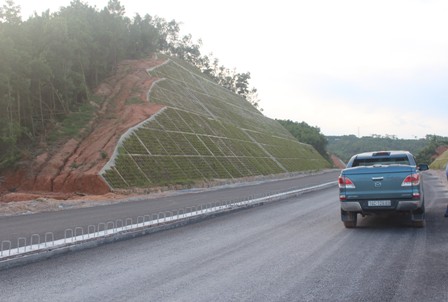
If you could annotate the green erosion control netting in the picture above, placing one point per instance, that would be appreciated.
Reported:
(205, 132)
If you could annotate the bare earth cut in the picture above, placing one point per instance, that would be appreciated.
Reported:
(72, 170)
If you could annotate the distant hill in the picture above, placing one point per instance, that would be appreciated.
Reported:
(346, 146)
(203, 133)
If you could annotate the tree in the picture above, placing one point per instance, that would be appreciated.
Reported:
(115, 8)
(426, 155)
(10, 13)
(307, 134)
(50, 63)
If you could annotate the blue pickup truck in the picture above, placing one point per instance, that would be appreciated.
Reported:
(382, 182)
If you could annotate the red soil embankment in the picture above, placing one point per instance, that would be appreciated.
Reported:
(337, 162)
(74, 167)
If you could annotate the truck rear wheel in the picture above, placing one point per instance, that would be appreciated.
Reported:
(350, 224)
(349, 219)
(419, 223)
(418, 217)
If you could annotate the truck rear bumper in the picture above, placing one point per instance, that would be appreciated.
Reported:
(351, 206)
(409, 205)
(401, 205)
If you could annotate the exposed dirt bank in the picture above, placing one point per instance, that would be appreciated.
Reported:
(337, 162)
(74, 166)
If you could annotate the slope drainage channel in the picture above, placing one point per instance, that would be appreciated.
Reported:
(78, 238)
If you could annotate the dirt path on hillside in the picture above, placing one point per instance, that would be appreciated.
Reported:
(72, 170)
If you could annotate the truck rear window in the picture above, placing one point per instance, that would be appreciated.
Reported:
(372, 161)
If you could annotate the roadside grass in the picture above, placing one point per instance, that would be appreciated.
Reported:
(440, 162)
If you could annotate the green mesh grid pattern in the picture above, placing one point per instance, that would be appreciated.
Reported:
(205, 132)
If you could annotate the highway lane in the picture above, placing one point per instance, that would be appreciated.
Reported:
(14, 227)
(293, 250)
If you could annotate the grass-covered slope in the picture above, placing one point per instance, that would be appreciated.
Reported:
(440, 162)
(205, 132)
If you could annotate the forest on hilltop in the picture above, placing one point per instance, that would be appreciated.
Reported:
(348, 145)
(50, 64)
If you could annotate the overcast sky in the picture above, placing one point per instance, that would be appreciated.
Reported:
(347, 66)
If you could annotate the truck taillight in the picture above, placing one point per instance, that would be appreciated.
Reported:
(345, 182)
(411, 180)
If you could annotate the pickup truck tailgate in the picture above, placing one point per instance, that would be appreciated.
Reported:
(378, 182)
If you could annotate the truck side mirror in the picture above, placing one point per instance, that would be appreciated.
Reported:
(423, 167)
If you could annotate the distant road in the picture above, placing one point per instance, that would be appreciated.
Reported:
(292, 250)
(15, 227)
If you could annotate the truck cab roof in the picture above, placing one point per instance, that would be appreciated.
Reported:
(382, 158)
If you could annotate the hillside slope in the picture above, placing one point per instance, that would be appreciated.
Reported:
(163, 123)
(205, 132)
(441, 159)
(74, 165)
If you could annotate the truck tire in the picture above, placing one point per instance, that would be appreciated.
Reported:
(350, 223)
(419, 223)
(418, 217)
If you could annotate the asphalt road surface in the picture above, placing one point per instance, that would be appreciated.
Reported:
(292, 250)
(14, 227)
